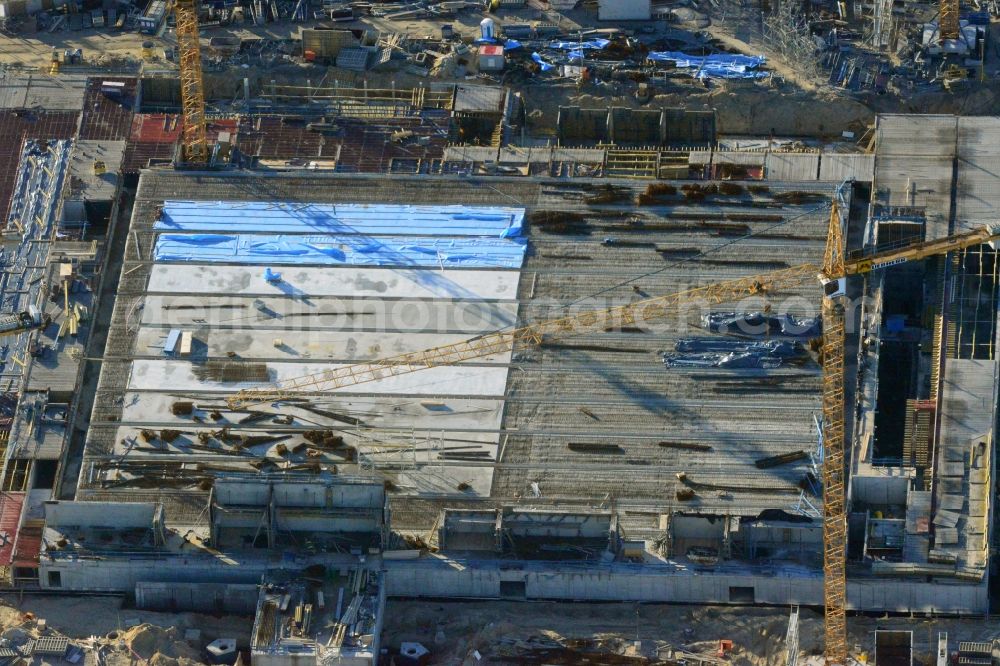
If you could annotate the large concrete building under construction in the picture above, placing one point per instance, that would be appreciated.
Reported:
(177, 418)
(672, 461)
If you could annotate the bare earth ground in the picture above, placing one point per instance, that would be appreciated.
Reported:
(502, 632)
(103, 45)
(507, 632)
(158, 638)
(801, 106)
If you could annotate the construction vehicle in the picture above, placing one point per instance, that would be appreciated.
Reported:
(837, 267)
(194, 141)
(954, 77)
(16, 322)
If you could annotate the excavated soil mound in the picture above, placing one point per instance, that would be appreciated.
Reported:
(167, 645)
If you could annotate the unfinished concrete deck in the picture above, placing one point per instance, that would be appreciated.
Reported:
(612, 388)
(314, 319)
(609, 388)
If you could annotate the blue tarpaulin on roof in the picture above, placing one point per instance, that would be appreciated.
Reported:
(362, 219)
(719, 65)
(595, 44)
(340, 250)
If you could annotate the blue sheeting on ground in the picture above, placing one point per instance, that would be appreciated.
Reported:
(546, 66)
(287, 217)
(339, 250)
(595, 44)
(719, 65)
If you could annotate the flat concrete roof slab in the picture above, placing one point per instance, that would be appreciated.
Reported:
(226, 316)
(302, 345)
(353, 282)
(398, 413)
(154, 375)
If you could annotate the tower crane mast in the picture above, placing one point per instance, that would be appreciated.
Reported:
(194, 141)
(948, 20)
(832, 470)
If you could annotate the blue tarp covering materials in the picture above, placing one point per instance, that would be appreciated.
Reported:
(719, 65)
(280, 234)
(546, 66)
(595, 44)
(173, 337)
(340, 250)
(512, 44)
(283, 217)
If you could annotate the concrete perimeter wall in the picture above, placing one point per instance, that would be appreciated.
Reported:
(660, 583)
(468, 579)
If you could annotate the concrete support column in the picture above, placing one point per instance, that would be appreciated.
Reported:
(667, 527)
(498, 532)
(726, 551)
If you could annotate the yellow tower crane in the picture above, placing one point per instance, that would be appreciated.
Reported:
(836, 268)
(194, 145)
(948, 25)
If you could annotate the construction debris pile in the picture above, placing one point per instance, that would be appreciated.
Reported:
(289, 447)
(612, 54)
(335, 611)
(722, 66)
(515, 49)
(876, 48)
(525, 51)
(33, 639)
